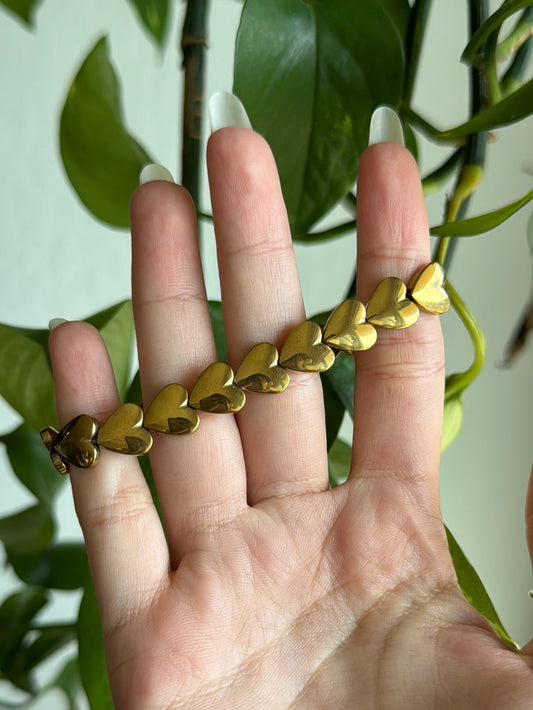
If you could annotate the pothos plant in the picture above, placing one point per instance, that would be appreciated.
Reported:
(310, 73)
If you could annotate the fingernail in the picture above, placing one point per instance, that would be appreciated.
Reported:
(55, 322)
(385, 127)
(225, 110)
(155, 172)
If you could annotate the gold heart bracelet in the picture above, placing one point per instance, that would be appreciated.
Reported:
(351, 327)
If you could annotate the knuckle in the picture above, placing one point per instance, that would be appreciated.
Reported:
(126, 505)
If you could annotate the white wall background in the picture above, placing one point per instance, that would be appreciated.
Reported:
(50, 246)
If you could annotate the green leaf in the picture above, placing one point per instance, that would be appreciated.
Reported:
(16, 612)
(339, 462)
(60, 566)
(19, 609)
(91, 654)
(483, 223)
(322, 235)
(338, 388)
(25, 9)
(29, 531)
(341, 377)
(134, 393)
(31, 463)
(25, 375)
(217, 323)
(334, 411)
(117, 329)
(48, 642)
(473, 589)
(68, 679)
(490, 25)
(512, 108)
(399, 12)
(154, 15)
(102, 160)
(310, 75)
(452, 421)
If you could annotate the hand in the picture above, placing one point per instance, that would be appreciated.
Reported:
(269, 590)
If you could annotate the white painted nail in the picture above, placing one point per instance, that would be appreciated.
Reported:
(55, 322)
(385, 127)
(225, 110)
(155, 172)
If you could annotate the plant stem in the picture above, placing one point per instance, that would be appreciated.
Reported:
(479, 12)
(416, 32)
(193, 46)
(491, 71)
(513, 77)
(420, 123)
(474, 157)
(521, 32)
(435, 180)
(469, 178)
(456, 384)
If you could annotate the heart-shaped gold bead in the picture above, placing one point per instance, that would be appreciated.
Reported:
(260, 372)
(48, 437)
(389, 306)
(428, 291)
(346, 328)
(123, 432)
(304, 350)
(59, 464)
(215, 391)
(169, 413)
(75, 444)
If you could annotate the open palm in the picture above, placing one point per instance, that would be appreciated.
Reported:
(281, 593)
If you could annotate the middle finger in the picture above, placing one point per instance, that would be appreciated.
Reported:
(283, 435)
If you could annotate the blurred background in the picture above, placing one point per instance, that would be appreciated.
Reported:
(56, 260)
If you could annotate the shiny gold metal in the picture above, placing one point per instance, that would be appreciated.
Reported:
(346, 328)
(389, 306)
(48, 437)
(260, 372)
(427, 289)
(170, 414)
(75, 444)
(60, 465)
(307, 349)
(215, 391)
(123, 432)
(304, 350)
